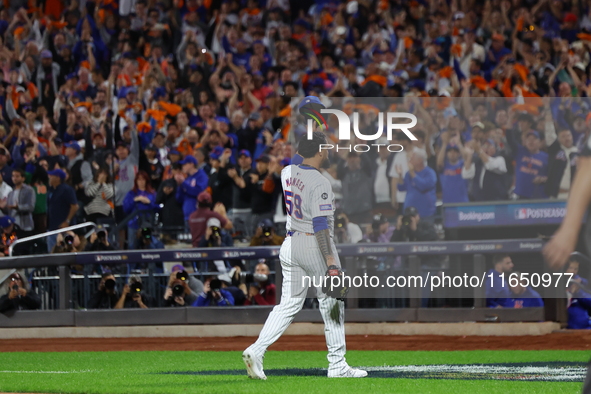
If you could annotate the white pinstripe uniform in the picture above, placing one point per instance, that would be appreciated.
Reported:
(308, 194)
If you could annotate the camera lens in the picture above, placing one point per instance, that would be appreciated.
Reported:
(69, 239)
(110, 284)
(136, 287)
(178, 290)
(182, 275)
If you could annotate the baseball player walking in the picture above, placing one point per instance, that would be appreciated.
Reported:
(307, 252)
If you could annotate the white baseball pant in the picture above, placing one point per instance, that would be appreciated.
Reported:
(300, 257)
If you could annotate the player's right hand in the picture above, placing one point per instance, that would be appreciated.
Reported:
(558, 250)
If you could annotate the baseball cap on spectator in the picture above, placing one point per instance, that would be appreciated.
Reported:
(214, 222)
(266, 223)
(74, 145)
(225, 277)
(189, 160)
(498, 37)
(177, 267)
(458, 15)
(204, 197)
(222, 119)
(570, 17)
(244, 152)
(490, 142)
(216, 153)
(264, 159)
(6, 221)
(174, 152)
(478, 124)
(534, 133)
(580, 66)
(46, 54)
(57, 172)
(122, 144)
(525, 117)
(254, 116)
(152, 147)
(452, 147)
(410, 211)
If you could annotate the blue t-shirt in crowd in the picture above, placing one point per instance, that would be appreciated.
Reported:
(528, 166)
(453, 186)
(498, 292)
(59, 201)
(420, 191)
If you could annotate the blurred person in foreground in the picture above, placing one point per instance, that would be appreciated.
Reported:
(562, 244)
(9, 233)
(19, 296)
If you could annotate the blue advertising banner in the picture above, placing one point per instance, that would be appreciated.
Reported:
(514, 213)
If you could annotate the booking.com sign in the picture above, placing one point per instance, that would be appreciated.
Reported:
(344, 130)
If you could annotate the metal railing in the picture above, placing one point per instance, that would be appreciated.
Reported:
(68, 291)
(53, 232)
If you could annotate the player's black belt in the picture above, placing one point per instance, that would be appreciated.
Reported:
(292, 232)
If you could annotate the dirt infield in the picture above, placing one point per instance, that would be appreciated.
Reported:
(564, 340)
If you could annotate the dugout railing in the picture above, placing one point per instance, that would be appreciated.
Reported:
(390, 306)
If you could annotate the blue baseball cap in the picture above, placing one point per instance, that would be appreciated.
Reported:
(74, 145)
(535, 134)
(189, 159)
(6, 221)
(244, 152)
(57, 172)
(310, 100)
(174, 152)
(222, 119)
(216, 153)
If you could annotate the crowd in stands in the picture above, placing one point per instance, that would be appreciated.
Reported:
(113, 109)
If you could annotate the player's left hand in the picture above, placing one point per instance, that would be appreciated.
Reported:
(333, 285)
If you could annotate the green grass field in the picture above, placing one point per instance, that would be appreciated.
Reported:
(178, 372)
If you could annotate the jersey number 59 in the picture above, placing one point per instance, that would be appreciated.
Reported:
(293, 201)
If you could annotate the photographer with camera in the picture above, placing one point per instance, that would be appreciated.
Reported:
(133, 296)
(346, 232)
(215, 236)
(18, 296)
(106, 296)
(410, 228)
(261, 291)
(265, 235)
(214, 295)
(99, 241)
(380, 230)
(178, 292)
(195, 284)
(198, 219)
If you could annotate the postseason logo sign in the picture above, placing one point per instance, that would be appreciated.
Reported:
(315, 113)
